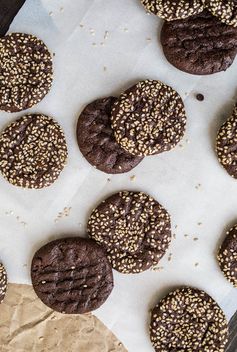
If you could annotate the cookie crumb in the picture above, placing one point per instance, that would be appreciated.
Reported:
(195, 238)
(133, 178)
(200, 97)
(196, 264)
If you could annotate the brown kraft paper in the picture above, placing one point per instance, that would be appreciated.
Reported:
(29, 325)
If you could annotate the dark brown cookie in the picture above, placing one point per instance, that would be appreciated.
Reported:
(133, 228)
(3, 282)
(227, 256)
(225, 10)
(33, 151)
(8, 10)
(226, 144)
(149, 118)
(188, 319)
(26, 71)
(171, 10)
(96, 139)
(200, 45)
(72, 275)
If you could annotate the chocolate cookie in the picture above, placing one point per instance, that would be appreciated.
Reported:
(33, 151)
(227, 256)
(149, 118)
(26, 71)
(226, 144)
(188, 319)
(200, 45)
(3, 282)
(133, 228)
(72, 275)
(171, 10)
(96, 139)
(225, 10)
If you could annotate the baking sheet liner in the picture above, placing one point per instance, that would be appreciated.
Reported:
(102, 47)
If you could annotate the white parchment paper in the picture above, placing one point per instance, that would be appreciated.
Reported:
(101, 47)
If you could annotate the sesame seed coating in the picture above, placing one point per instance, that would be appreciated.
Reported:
(171, 10)
(33, 151)
(149, 118)
(189, 320)
(26, 71)
(227, 256)
(226, 144)
(225, 10)
(133, 228)
(3, 282)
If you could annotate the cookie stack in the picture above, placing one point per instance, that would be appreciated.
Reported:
(115, 134)
(198, 37)
(129, 232)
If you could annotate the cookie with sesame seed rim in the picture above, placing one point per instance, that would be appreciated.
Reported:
(188, 319)
(225, 10)
(133, 228)
(171, 10)
(226, 144)
(149, 118)
(227, 256)
(3, 282)
(26, 71)
(200, 44)
(72, 275)
(33, 151)
(96, 139)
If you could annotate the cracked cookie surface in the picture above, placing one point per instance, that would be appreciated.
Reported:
(97, 142)
(199, 45)
(72, 275)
